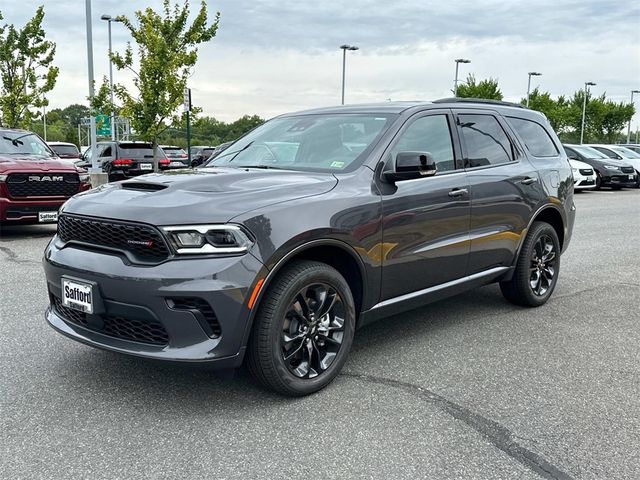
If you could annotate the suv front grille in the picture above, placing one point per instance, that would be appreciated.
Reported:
(115, 326)
(201, 309)
(143, 242)
(43, 184)
(586, 171)
(627, 169)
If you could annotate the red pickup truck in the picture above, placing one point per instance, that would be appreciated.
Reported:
(34, 181)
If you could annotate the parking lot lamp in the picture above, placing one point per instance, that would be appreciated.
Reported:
(455, 80)
(531, 74)
(584, 108)
(629, 128)
(92, 117)
(344, 63)
(109, 19)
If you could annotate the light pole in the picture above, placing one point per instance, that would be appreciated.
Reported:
(92, 119)
(455, 80)
(629, 128)
(344, 48)
(584, 108)
(109, 19)
(531, 74)
(44, 118)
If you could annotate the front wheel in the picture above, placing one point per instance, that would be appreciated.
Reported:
(598, 181)
(303, 329)
(537, 268)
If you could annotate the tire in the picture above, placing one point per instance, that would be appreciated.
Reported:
(598, 181)
(291, 309)
(637, 179)
(522, 289)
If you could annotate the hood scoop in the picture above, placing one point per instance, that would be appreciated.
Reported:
(143, 186)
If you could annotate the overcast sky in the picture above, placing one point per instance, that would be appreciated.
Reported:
(274, 56)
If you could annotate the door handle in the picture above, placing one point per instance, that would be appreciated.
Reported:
(458, 192)
(528, 180)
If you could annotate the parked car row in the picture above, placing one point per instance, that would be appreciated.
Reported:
(596, 166)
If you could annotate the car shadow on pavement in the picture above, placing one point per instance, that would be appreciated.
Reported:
(17, 232)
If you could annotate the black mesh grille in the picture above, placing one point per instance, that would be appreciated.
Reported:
(144, 242)
(140, 331)
(73, 316)
(586, 171)
(115, 326)
(627, 169)
(201, 306)
(43, 184)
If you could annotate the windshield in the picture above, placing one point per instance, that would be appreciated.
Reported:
(589, 152)
(328, 142)
(65, 149)
(20, 143)
(625, 152)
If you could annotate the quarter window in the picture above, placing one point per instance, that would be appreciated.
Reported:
(429, 134)
(486, 141)
(535, 137)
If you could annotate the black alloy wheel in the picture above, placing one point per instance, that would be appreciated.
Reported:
(536, 269)
(303, 329)
(313, 330)
(543, 260)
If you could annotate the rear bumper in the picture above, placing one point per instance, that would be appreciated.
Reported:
(138, 296)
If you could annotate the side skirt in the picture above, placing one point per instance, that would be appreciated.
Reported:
(423, 297)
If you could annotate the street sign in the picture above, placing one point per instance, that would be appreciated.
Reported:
(186, 103)
(103, 125)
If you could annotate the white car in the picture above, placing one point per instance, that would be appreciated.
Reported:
(624, 154)
(584, 177)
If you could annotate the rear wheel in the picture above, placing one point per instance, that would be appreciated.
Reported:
(537, 268)
(303, 329)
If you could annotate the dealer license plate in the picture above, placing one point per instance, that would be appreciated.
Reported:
(630, 177)
(146, 166)
(77, 295)
(176, 164)
(45, 217)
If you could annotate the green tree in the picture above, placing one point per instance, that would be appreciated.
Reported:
(166, 54)
(486, 89)
(26, 70)
(556, 111)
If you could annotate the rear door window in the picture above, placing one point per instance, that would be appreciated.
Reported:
(535, 137)
(485, 140)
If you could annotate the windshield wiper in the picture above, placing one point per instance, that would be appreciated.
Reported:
(237, 152)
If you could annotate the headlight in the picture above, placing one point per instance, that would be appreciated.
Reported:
(3, 178)
(84, 178)
(611, 167)
(209, 239)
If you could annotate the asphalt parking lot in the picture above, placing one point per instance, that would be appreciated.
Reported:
(471, 387)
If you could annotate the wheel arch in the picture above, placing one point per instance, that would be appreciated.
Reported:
(335, 253)
(551, 215)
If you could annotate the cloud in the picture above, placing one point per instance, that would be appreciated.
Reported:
(273, 56)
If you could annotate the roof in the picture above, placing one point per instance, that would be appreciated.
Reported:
(403, 106)
(62, 143)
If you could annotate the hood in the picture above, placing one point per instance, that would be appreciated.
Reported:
(34, 163)
(607, 161)
(206, 195)
(578, 164)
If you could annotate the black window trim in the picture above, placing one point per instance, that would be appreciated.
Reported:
(458, 161)
(516, 148)
(558, 153)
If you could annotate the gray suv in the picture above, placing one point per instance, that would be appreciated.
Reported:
(309, 227)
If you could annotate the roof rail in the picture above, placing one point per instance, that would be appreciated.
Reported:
(479, 100)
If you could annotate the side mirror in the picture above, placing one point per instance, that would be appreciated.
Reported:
(411, 165)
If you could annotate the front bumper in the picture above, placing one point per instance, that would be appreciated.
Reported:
(619, 179)
(134, 299)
